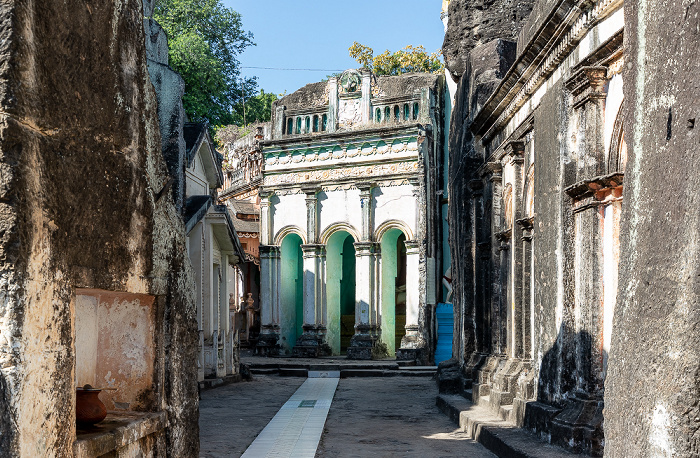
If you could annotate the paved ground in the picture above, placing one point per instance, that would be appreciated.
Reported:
(369, 417)
(231, 416)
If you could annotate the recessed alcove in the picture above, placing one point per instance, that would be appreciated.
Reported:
(115, 347)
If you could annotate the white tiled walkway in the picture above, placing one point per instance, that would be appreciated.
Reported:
(296, 429)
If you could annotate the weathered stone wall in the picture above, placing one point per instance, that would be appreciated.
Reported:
(652, 391)
(475, 22)
(479, 54)
(80, 167)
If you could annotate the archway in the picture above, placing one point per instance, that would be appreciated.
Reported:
(393, 289)
(340, 291)
(291, 291)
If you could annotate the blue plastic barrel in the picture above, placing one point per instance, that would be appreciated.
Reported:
(445, 325)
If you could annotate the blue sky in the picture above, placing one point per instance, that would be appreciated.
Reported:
(317, 35)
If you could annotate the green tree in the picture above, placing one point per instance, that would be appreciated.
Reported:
(257, 108)
(406, 60)
(204, 39)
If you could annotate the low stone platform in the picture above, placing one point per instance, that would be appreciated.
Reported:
(209, 383)
(499, 436)
(300, 367)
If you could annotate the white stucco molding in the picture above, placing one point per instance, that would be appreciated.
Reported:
(340, 226)
(393, 224)
(291, 229)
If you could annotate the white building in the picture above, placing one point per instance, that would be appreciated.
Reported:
(351, 228)
(214, 249)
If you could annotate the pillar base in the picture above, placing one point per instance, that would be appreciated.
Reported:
(414, 347)
(311, 344)
(268, 343)
(362, 343)
(579, 426)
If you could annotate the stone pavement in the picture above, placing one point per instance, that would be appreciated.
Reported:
(383, 417)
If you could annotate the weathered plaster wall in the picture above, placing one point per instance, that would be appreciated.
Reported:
(651, 406)
(80, 165)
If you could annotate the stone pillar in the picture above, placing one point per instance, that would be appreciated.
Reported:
(492, 172)
(367, 211)
(366, 104)
(311, 214)
(269, 298)
(514, 152)
(366, 284)
(266, 234)
(278, 128)
(414, 341)
(332, 105)
(310, 344)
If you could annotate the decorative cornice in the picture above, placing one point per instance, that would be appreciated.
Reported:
(588, 83)
(526, 223)
(541, 56)
(336, 174)
(589, 187)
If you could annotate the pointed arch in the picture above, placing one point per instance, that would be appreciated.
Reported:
(617, 155)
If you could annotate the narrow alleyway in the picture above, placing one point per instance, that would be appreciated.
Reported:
(369, 416)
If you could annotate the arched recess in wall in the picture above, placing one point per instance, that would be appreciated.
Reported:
(291, 290)
(393, 286)
(291, 229)
(393, 224)
(617, 156)
(335, 227)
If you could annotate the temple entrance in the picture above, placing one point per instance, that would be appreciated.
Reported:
(393, 289)
(291, 291)
(340, 291)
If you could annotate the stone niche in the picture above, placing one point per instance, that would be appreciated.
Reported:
(115, 347)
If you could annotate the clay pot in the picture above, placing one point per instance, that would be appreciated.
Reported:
(88, 407)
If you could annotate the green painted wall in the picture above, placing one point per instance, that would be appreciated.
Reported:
(340, 285)
(291, 291)
(393, 250)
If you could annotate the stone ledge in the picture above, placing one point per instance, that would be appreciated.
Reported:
(499, 436)
(209, 383)
(116, 431)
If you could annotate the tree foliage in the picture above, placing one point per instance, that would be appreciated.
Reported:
(406, 60)
(204, 39)
(257, 108)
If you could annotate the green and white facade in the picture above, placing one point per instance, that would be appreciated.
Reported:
(350, 218)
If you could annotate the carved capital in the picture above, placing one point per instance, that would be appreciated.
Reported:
(586, 84)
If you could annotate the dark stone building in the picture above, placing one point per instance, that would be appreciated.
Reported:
(537, 160)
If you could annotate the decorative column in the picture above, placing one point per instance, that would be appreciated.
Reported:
(266, 234)
(311, 344)
(366, 284)
(583, 412)
(492, 172)
(514, 155)
(505, 388)
(413, 342)
(269, 301)
(332, 104)
(366, 104)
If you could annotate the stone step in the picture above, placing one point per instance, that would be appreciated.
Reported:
(293, 372)
(499, 436)
(264, 371)
(345, 373)
(418, 368)
(505, 412)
